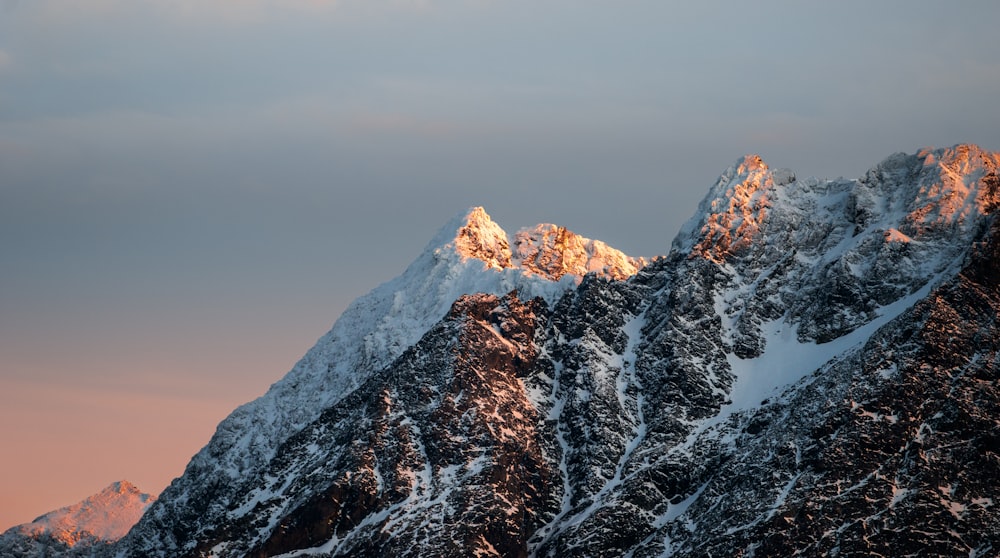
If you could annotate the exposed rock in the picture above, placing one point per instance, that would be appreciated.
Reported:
(811, 370)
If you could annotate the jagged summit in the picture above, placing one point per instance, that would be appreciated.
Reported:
(905, 196)
(480, 238)
(102, 518)
(545, 250)
(931, 190)
(731, 214)
(554, 252)
(860, 244)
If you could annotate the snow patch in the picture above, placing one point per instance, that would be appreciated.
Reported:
(786, 360)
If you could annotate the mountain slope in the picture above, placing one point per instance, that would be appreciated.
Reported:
(96, 521)
(892, 449)
(470, 254)
(810, 370)
(429, 442)
(738, 308)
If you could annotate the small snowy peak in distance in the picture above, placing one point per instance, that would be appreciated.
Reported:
(105, 516)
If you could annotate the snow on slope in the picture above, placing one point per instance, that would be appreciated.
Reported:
(645, 386)
(470, 254)
(106, 516)
(773, 279)
(890, 237)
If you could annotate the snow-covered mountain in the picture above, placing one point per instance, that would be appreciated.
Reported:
(80, 529)
(811, 370)
(470, 254)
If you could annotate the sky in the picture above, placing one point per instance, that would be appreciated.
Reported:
(192, 191)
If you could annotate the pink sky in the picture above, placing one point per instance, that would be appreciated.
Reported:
(101, 391)
(63, 443)
(69, 443)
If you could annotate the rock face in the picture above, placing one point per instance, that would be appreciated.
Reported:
(553, 252)
(82, 529)
(811, 370)
(471, 254)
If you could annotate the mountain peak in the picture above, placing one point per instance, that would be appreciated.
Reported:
(553, 251)
(915, 195)
(730, 216)
(105, 516)
(749, 163)
(545, 250)
(480, 238)
(931, 191)
(967, 179)
(120, 487)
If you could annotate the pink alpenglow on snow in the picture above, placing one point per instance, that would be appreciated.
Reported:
(105, 516)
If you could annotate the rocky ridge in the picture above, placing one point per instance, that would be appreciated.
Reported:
(470, 254)
(745, 357)
(810, 370)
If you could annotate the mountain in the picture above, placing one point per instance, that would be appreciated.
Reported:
(811, 370)
(470, 254)
(80, 529)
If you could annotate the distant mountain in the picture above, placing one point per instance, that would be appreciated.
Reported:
(81, 529)
(811, 370)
